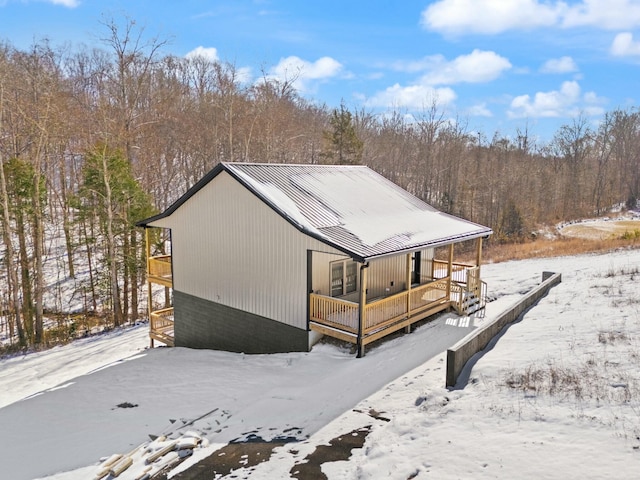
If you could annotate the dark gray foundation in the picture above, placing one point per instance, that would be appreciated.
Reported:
(201, 323)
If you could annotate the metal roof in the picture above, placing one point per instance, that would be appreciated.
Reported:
(351, 208)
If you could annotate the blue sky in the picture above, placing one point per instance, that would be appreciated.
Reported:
(497, 65)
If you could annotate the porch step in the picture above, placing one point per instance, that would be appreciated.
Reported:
(471, 303)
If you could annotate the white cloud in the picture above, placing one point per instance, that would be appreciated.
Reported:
(65, 3)
(244, 74)
(488, 16)
(412, 96)
(479, 110)
(568, 101)
(324, 67)
(476, 67)
(210, 53)
(559, 65)
(241, 74)
(496, 16)
(303, 72)
(624, 46)
(604, 14)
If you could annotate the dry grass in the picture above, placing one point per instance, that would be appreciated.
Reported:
(576, 239)
(554, 248)
(588, 381)
(603, 229)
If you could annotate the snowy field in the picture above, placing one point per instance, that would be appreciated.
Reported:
(558, 396)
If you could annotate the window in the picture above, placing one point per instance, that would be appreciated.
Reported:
(344, 277)
(337, 279)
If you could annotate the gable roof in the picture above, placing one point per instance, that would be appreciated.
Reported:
(351, 208)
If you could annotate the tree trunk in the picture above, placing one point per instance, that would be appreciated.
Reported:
(6, 237)
(38, 249)
(126, 252)
(134, 276)
(66, 224)
(111, 247)
(87, 244)
(25, 277)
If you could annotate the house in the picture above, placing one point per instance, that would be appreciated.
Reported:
(269, 258)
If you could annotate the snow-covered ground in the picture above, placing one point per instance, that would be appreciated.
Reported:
(558, 396)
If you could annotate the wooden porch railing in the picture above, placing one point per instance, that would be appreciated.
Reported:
(379, 313)
(471, 294)
(458, 270)
(404, 304)
(159, 270)
(334, 312)
(161, 326)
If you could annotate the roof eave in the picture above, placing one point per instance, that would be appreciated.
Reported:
(433, 244)
(186, 196)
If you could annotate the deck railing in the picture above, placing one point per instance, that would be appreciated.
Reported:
(344, 315)
(161, 325)
(334, 312)
(159, 269)
(458, 270)
(388, 309)
(425, 295)
(472, 292)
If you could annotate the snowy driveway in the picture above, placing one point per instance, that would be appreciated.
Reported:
(281, 395)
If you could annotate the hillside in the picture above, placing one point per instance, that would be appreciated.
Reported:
(557, 397)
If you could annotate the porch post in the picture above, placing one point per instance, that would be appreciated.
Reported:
(450, 271)
(309, 286)
(361, 308)
(407, 329)
(149, 289)
(479, 254)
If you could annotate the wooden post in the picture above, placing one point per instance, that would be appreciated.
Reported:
(309, 286)
(361, 308)
(433, 265)
(407, 329)
(450, 271)
(478, 283)
(149, 289)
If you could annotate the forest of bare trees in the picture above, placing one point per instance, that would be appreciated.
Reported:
(94, 139)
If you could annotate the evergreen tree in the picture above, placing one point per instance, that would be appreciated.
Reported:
(19, 175)
(342, 145)
(110, 196)
(511, 227)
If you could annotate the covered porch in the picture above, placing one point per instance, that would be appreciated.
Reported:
(363, 320)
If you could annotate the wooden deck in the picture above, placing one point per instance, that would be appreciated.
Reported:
(161, 326)
(341, 318)
(159, 270)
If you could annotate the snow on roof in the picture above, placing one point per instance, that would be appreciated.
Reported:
(353, 207)
(349, 207)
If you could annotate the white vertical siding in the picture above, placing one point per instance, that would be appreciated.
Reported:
(381, 274)
(230, 247)
(384, 271)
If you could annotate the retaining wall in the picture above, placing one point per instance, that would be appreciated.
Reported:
(461, 352)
